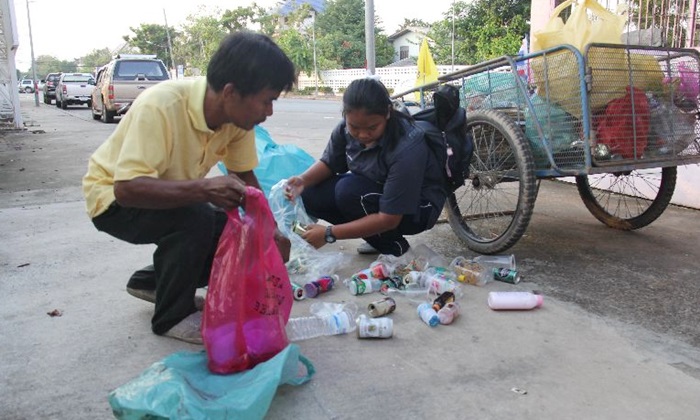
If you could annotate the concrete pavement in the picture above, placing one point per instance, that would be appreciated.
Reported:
(580, 356)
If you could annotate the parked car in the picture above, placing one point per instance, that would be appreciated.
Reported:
(26, 86)
(50, 82)
(123, 79)
(74, 88)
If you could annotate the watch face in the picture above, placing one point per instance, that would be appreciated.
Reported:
(329, 235)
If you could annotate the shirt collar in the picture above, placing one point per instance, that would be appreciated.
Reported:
(195, 105)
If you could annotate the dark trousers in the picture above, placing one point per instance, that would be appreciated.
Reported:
(186, 240)
(344, 198)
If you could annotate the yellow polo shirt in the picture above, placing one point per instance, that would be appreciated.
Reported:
(164, 135)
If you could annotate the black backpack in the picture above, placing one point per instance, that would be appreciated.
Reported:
(444, 124)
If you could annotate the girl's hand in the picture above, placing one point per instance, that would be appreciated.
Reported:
(293, 188)
(315, 235)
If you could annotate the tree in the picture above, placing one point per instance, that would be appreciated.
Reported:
(96, 58)
(150, 38)
(340, 34)
(407, 23)
(484, 29)
(199, 40)
(46, 64)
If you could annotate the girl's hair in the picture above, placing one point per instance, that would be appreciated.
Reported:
(371, 96)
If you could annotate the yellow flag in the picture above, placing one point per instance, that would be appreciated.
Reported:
(427, 70)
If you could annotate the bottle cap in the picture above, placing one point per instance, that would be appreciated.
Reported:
(540, 301)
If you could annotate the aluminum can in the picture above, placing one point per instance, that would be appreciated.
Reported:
(320, 285)
(381, 307)
(298, 292)
(374, 327)
(506, 275)
(298, 228)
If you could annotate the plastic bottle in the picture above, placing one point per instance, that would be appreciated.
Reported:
(359, 286)
(470, 272)
(306, 327)
(514, 300)
(448, 313)
(428, 314)
(440, 280)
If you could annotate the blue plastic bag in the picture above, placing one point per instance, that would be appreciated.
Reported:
(181, 387)
(277, 161)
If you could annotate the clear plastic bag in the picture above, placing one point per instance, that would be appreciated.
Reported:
(306, 263)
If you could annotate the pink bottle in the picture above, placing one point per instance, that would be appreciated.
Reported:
(514, 300)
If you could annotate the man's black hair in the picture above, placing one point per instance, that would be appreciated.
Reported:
(252, 62)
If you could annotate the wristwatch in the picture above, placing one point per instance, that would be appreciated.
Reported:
(329, 235)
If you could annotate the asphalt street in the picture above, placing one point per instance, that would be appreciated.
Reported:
(617, 337)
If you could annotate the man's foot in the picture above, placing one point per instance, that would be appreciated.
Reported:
(367, 249)
(150, 296)
(188, 330)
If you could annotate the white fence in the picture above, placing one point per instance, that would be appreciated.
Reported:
(397, 78)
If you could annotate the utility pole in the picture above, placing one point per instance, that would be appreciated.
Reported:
(453, 36)
(369, 36)
(170, 44)
(31, 47)
(313, 35)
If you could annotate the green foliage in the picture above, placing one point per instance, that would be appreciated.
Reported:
(96, 58)
(340, 34)
(199, 40)
(150, 38)
(46, 64)
(484, 29)
(298, 49)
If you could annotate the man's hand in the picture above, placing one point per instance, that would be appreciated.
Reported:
(284, 245)
(227, 192)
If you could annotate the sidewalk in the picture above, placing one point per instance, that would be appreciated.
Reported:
(573, 364)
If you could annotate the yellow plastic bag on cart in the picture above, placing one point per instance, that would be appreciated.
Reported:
(579, 30)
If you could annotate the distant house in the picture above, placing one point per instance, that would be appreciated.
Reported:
(407, 42)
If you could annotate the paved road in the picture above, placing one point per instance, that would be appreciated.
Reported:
(618, 336)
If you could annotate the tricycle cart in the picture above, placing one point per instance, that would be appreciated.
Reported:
(618, 119)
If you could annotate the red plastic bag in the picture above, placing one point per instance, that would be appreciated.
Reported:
(249, 297)
(624, 126)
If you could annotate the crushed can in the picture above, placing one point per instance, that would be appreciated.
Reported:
(374, 327)
(381, 307)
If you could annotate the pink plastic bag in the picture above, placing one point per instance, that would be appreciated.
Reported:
(249, 297)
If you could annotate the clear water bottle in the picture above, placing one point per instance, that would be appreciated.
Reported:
(306, 327)
(360, 286)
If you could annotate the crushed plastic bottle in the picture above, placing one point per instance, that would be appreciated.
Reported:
(326, 319)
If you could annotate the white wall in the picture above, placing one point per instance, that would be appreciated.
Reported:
(397, 78)
(410, 39)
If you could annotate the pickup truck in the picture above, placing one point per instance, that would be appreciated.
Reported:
(74, 88)
(123, 79)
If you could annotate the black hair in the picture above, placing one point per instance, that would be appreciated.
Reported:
(371, 96)
(252, 62)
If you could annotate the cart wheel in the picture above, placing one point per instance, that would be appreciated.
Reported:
(628, 200)
(492, 210)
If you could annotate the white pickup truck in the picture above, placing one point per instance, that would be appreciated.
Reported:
(74, 88)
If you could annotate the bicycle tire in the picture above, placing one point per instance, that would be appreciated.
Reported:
(628, 200)
(491, 212)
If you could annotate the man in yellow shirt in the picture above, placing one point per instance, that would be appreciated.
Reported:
(146, 184)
